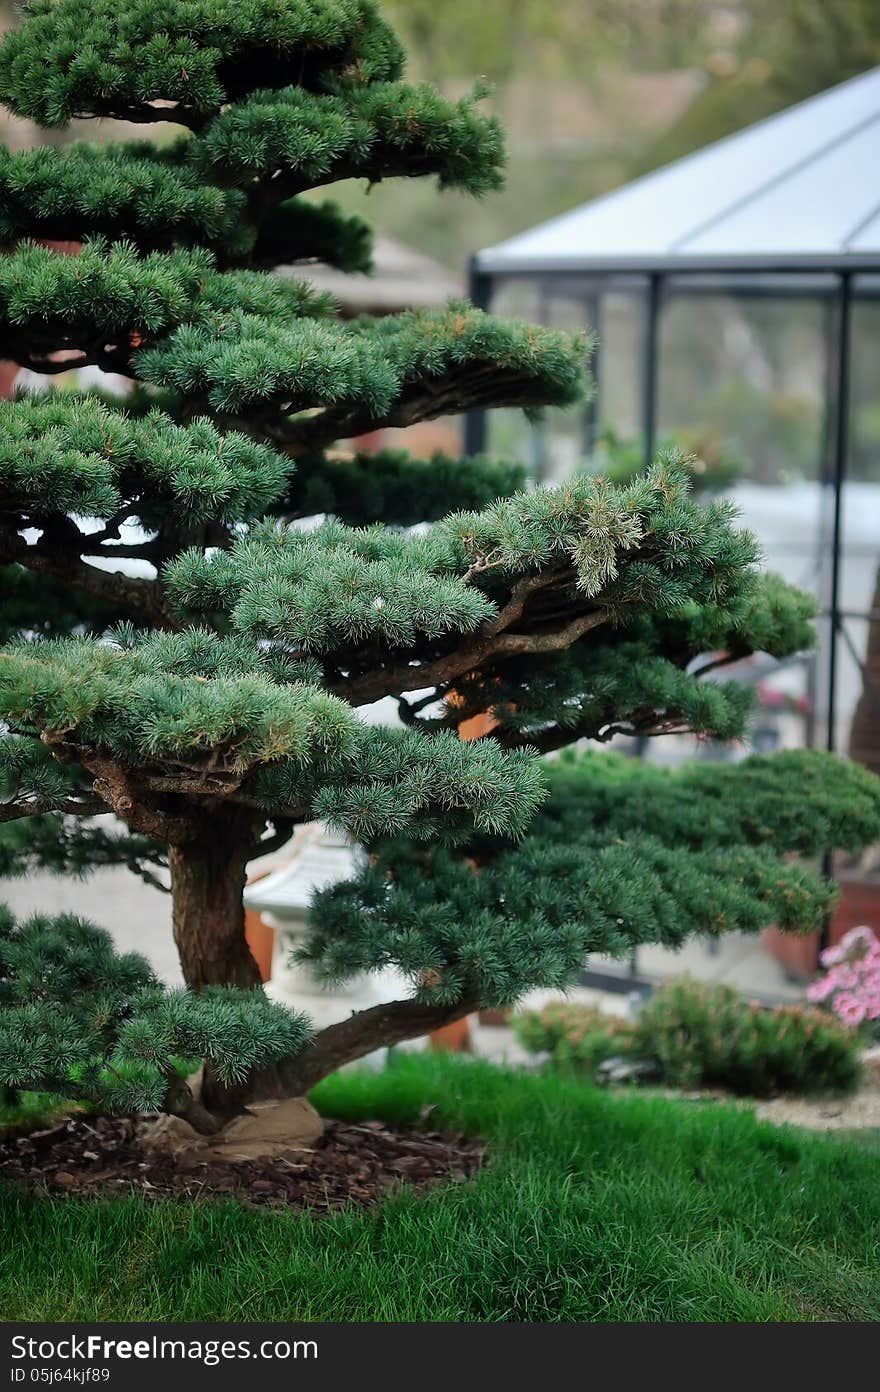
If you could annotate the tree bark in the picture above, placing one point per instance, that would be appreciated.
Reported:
(207, 883)
(351, 1039)
(181, 1102)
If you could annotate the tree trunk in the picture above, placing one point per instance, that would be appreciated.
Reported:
(207, 883)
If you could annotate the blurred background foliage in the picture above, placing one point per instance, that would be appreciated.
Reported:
(595, 92)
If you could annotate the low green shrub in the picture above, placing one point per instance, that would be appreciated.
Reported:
(581, 1035)
(701, 1035)
(711, 1036)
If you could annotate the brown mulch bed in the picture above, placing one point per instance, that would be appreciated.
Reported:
(355, 1164)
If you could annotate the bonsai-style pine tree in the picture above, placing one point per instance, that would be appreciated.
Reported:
(202, 592)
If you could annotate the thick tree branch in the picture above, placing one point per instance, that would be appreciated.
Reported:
(722, 660)
(149, 113)
(376, 1028)
(555, 737)
(127, 550)
(85, 806)
(465, 389)
(54, 349)
(383, 162)
(136, 593)
(115, 786)
(486, 646)
(561, 576)
(181, 1102)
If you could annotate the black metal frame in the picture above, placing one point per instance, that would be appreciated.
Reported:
(839, 411)
(656, 277)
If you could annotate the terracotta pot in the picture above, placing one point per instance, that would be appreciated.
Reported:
(496, 1018)
(8, 373)
(858, 903)
(476, 726)
(259, 937)
(261, 941)
(798, 954)
(452, 1039)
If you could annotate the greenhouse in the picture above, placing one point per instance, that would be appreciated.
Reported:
(735, 302)
(734, 297)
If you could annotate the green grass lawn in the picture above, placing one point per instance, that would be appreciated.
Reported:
(592, 1207)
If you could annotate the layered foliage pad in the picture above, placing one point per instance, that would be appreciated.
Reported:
(623, 853)
(83, 1021)
(155, 199)
(185, 59)
(394, 371)
(106, 301)
(206, 716)
(61, 454)
(635, 580)
(301, 140)
(281, 99)
(645, 680)
(116, 191)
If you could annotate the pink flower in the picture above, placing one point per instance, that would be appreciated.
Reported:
(847, 977)
(849, 1008)
(851, 984)
(857, 943)
(831, 956)
(821, 989)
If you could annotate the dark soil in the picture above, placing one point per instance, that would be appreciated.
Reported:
(355, 1164)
